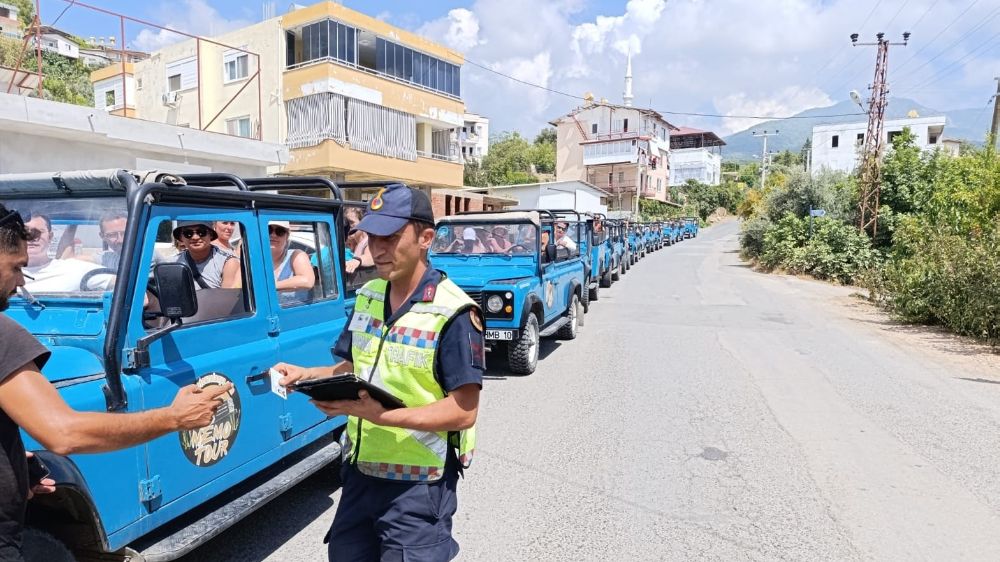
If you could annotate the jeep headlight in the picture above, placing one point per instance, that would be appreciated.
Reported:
(494, 304)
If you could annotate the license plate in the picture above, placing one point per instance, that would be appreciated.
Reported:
(506, 335)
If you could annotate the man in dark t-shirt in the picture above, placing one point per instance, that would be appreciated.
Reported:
(29, 402)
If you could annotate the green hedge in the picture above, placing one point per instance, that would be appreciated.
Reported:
(834, 251)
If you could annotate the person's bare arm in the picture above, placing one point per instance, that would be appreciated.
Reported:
(303, 276)
(454, 412)
(293, 373)
(231, 274)
(36, 406)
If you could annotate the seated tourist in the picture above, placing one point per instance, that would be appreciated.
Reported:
(293, 274)
(54, 275)
(213, 267)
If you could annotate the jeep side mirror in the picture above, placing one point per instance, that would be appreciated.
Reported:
(550, 253)
(175, 285)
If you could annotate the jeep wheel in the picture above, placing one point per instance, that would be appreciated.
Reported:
(618, 271)
(571, 328)
(593, 296)
(585, 300)
(39, 546)
(606, 279)
(522, 353)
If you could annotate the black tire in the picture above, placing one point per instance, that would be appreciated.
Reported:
(522, 353)
(619, 270)
(585, 299)
(606, 279)
(571, 328)
(594, 292)
(39, 546)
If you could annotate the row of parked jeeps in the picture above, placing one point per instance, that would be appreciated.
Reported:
(534, 273)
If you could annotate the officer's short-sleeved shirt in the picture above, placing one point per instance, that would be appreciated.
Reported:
(459, 359)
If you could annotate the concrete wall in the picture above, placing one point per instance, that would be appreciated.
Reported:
(43, 136)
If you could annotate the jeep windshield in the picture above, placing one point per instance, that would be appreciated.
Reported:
(75, 245)
(485, 238)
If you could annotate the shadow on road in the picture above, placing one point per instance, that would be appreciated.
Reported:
(498, 369)
(262, 533)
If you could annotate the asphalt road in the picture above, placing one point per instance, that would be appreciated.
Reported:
(707, 411)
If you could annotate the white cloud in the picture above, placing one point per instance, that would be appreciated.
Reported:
(787, 101)
(768, 57)
(195, 17)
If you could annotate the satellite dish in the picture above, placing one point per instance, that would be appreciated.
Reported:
(856, 97)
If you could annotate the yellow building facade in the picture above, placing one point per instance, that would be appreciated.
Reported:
(354, 98)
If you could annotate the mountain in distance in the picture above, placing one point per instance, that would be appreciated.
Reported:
(965, 124)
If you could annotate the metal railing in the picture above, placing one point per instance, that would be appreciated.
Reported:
(435, 156)
(372, 71)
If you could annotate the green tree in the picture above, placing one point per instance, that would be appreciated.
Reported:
(25, 12)
(546, 135)
(509, 161)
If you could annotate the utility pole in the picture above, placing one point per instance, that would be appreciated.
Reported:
(763, 155)
(996, 114)
(871, 165)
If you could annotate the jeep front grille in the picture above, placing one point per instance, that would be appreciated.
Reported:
(476, 296)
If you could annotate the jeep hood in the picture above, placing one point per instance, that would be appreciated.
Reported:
(479, 275)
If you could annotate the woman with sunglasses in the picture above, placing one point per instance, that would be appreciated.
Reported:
(213, 267)
(293, 274)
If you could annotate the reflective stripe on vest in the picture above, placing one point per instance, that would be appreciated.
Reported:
(400, 358)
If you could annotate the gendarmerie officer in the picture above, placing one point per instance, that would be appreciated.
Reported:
(414, 333)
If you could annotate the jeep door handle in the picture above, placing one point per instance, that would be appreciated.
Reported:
(258, 377)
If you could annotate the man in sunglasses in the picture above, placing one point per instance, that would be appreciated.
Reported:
(29, 401)
(213, 267)
(55, 275)
(562, 239)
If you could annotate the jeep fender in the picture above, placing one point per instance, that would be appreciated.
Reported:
(69, 513)
(574, 287)
(531, 304)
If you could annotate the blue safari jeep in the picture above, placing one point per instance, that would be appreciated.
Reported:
(618, 242)
(526, 274)
(121, 343)
(690, 227)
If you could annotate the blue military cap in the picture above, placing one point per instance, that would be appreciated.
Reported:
(392, 207)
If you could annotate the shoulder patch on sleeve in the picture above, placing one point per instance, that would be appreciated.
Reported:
(477, 322)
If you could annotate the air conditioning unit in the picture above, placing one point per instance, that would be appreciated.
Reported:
(172, 99)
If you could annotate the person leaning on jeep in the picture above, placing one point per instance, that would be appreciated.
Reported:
(29, 401)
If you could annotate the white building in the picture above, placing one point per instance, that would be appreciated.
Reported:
(473, 137)
(10, 26)
(41, 135)
(58, 42)
(836, 146)
(570, 194)
(695, 155)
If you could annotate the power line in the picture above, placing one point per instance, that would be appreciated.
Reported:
(941, 73)
(68, 6)
(683, 113)
(949, 47)
(923, 15)
(869, 16)
(927, 44)
(896, 15)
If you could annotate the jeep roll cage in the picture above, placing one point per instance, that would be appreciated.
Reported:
(180, 189)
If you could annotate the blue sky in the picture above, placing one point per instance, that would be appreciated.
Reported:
(729, 57)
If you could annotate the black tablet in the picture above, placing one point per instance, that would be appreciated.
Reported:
(344, 387)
